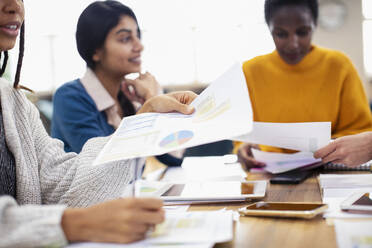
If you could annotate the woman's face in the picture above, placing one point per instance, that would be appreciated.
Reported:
(121, 52)
(292, 30)
(11, 19)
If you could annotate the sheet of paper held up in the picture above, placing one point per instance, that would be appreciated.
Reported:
(223, 111)
(282, 162)
(306, 136)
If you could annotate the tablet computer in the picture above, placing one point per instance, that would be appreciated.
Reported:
(305, 210)
(360, 202)
(212, 191)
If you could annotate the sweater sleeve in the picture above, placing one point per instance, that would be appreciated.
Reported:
(30, 225)
(70, 178)
(354, 113)
(75, 118)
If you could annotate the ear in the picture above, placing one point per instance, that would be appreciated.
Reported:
(97, 55)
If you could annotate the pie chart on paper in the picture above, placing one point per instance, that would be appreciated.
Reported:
(176, 139)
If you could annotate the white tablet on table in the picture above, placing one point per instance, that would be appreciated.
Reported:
(210, 191)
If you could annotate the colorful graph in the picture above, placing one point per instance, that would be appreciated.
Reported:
(176, 139)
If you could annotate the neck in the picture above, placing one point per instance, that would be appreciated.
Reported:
(110, 82)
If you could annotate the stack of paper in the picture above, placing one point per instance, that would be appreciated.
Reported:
(184, 230)
(282, 162)
(307, 136)
(337, 188)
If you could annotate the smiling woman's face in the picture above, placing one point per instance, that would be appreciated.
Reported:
(292, 30)
(121, 53)
(11, 18)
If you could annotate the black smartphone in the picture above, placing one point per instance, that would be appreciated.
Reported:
(291, 177)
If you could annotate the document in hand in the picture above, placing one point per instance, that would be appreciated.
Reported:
(282, 162)
(306, 136)
(223, 111)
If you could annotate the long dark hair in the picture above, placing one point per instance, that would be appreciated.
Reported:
(94, 24)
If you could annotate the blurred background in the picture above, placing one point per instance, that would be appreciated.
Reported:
(188, 43)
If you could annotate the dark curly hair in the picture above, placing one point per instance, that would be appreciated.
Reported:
(271, 6)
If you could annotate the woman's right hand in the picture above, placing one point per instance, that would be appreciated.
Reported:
(245, 157)
(178, 101)
(117, 221)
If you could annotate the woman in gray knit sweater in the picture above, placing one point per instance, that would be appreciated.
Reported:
(40, 183)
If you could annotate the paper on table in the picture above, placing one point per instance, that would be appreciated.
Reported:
(306, 136)
(282, 162)
(212, 168)
(355, 234)
(184, 230)
(194, 227)
(337, 188)
(345, 181)
(334, 210)
(223, 111)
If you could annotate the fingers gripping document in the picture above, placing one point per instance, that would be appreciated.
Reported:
(222, 111)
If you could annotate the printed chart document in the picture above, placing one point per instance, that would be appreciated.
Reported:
(184, 230)
(306, 136)
(355, 234)
(223, 111)
(282, 162)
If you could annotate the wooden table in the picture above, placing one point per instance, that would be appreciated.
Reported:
(278, 232)
(264, 232)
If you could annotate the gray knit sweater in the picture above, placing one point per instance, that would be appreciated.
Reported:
(48, 179)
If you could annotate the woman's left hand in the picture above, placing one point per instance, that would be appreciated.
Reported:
(142, 88)
(172, 102)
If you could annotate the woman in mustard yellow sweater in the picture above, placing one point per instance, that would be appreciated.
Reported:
(300, 82)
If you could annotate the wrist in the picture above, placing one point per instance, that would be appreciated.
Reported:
(73, 224)
(370, 144)
(146, 108)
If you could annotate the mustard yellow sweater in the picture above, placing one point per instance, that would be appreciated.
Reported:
(324, 86)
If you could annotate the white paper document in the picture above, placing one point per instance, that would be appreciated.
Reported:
(354, 234)
(282, 162)
(307, 136)
(222, 111)
(345, 181)
(334, 210)
(336, 188)
(194, 227)
(184, 230)
(212, 168)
